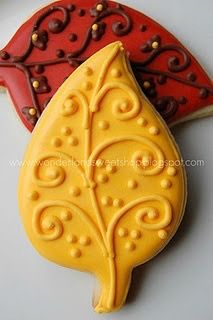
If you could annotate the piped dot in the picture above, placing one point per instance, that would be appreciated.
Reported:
(75, 253)
(143, 28)
(85, 240)
(115, 73)
(123, 232)
(81, 12)
(34, 37)
(47, 224)
(155, 45)
(99, 7)
(132, 184)
(95, 27)
(36, 84)
(56, 142)
(111, 169)
(135, 234)
(66, 131)
(124, 106)
(73, 37)
(145, 161)
(32, 111)
(71, 7)
(87, 85)
(154, 130)
(152, 214)
(73, 141)
(171, 171)
(71, 238)
(88, 71)
(146, 84)
(130, 246)
(4, 55)
(66, 215)
(52, 173)
(166, 184)
(142, 122)
(106, 201)
(34, 195)
(118, 203)
(103, 125)
(69, 107)
(60, 53)
(162, 234)
(102, 178)
(68, 103)
(75, 191)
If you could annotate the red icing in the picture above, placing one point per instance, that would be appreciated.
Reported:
(16, 81)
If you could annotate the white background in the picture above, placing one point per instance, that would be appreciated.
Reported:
(178, 284)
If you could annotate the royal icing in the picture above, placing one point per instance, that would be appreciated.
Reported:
(102, 190)
(59, 37)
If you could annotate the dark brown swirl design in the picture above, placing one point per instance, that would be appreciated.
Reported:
(174, 64)
(39, 39)
(167, 106)
(118, 28)
(54, 25)
(57, 25)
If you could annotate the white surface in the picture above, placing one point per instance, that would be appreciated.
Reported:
(178, 284)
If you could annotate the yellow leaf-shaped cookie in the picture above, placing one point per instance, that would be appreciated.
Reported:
(102, 188)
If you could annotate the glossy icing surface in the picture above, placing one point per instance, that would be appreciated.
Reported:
(101, 190)
(59, 37)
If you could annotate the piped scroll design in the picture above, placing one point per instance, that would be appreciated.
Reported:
(50, 228)
(73, 107)
(130, 112)
(141, 213)
(39, 39)
(56, 174)
(179, 59)
(154, 150)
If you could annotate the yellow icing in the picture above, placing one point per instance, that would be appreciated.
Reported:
(100, 7)
(82, 205)
(155, 45)
(36, 84)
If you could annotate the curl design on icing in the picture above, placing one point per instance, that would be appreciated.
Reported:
(54, 24)
(118, 28)
(174, 64)
(39, 39)
(57, 25)
(143, 160)
(149, 225)
(147, 143)
(141, 214)
(48, 227)
(121, 109)
(179, 62)
(49, 224)
(167, 106)
(73, 107)
(54, 174)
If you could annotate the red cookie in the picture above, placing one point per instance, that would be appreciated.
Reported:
(59, 37)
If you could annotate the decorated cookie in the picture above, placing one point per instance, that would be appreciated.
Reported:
(58, 38)
(103, 190)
